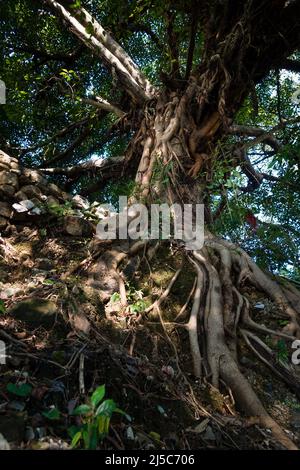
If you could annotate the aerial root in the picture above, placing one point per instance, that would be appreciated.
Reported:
(223, 313)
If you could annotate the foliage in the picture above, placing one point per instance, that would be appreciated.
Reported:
(48, 73)
(95, 416)
(2, 307)
(21, 390)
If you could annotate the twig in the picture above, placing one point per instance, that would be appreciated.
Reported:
(81, 375)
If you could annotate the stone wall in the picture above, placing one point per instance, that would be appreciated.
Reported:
(23, 192)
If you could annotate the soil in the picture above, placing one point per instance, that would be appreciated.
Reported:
(146, 366)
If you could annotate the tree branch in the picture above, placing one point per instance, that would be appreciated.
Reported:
(261, 134)
(101, 103)
(84, 26)
(101, 165)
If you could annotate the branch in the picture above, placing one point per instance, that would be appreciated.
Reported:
(100, 165)
(261, 134)
(67, 57)
(84, 26)
(101, 103)
(76, 142)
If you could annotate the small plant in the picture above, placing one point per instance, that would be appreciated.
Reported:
(60, 210)
(21, 390)
(139, 306)
(281, 351)
(2, 307)
(115, 297)
(95, 416)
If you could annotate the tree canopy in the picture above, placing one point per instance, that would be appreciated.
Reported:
(67, 103)
(182, 102)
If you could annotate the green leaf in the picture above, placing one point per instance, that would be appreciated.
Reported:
(76, 439)
(22, 390)
(98, 395)
(115, 297)
(2, 307)
(93, 436)
(81, 410)
(52, 414)
(72, 430)
(106, 408)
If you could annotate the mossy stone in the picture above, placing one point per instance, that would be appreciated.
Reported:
(35, 311)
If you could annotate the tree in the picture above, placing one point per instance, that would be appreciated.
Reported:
(185, 116)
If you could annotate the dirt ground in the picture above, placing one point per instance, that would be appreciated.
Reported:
(65, 353)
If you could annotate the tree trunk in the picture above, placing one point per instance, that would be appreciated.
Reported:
(175, 150)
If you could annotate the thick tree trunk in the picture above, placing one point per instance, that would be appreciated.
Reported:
(175, 150)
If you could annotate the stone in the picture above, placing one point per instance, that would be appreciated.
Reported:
(5, 210)
(44, 264)
(32, 176)
(12, 427)
(35, 311)
(80, 202)
(14, 166)
(4, 167)
(7, 190)
(52, 201)
(4, 445)
(23, 206)
(77, 227)
(16, 172)
(9, 178)
(4, 158)
(54, 190)
(20, 196)
(31, 191)
(8, 292)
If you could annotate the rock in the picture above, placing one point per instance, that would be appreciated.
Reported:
(44, 264)
(3, 166)
(32, 191)
(5, 210)
(259, 306)
(35, 311)
(4, 158)
(9, 178)
(24, 206)
(52, 201)
(32, 176)
(14, 166)
(9, 292)
(4, 445)
(77, 226)
(20, 196)
(54, 190)
(80, 323)
(12, 427)
(7, 190)
(81, 202)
